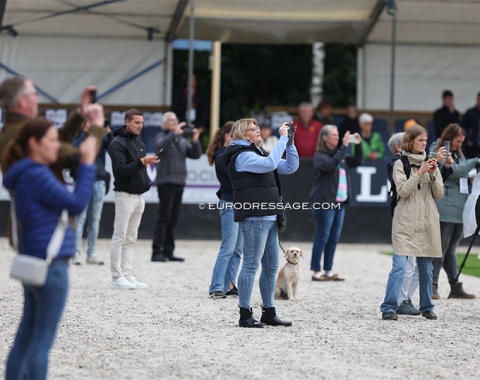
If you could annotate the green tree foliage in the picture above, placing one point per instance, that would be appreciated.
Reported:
(340, 78)
(254, 76)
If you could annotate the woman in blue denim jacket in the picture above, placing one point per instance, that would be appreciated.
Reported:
(224, 277)
(40, 199)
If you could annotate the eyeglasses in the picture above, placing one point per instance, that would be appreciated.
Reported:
(254, 129)
(34, 93)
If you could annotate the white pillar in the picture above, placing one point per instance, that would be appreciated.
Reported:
(215, 66)
(316, 90)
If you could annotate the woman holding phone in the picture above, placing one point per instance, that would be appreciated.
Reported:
(415, 227)
(450, 208)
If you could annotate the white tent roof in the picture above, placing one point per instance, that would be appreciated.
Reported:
(248, 21)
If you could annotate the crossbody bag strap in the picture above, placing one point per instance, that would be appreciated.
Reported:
(277, 180)
(13, 217)
(56, 240)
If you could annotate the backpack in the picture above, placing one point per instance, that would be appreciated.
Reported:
(393, 189)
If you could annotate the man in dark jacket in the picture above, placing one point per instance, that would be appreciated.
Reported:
(445, 115)
(171, 175)
(129, 164)
(471, 124)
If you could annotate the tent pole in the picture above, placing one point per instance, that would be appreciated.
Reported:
(215, 97)
(190, 61)
(392, 11)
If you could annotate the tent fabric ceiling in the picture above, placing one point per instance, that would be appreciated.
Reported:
(248, 21)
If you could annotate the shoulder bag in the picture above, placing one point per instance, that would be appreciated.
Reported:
(33, 270)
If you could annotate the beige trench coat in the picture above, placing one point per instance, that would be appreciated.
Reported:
(416, 222)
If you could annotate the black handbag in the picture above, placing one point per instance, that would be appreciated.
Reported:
(281, 220)
(281, 214)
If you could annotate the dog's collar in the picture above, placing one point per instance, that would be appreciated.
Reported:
(288, 261)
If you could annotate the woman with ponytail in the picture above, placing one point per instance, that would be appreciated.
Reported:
(224, 277)
(40, 199)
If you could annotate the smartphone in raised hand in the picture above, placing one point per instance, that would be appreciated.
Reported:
(446, 144)
(290, 134)
(93, 96)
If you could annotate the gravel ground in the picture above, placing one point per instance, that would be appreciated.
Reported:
(173, 330)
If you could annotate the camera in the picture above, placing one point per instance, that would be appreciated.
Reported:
(290, 133)
(188, 131)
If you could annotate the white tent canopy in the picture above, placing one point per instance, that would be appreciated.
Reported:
(108, 42)
(247, 21)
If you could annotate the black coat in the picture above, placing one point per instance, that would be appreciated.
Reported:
(126, 150)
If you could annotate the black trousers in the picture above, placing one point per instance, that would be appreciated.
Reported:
(170, 197)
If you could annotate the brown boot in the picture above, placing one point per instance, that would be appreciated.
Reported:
(458, 292)
(435, 295)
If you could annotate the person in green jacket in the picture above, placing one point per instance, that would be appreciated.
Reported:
(372, 143)
(450, 208)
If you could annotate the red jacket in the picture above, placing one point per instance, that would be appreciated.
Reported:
(306, 139)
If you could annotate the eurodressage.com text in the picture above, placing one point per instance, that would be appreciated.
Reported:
(269, 206)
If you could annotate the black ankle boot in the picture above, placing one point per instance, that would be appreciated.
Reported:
(458, 292)
(246, 318)
(269, 317)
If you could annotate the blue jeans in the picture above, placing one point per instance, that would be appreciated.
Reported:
(328, 227)
(91, 214)
(395, 281)
(42, 311)
(230, 254)
(260, 245)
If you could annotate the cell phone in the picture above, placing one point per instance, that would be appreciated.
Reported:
(447, 146)
(431, 156)
(352, 139)
(93, 96)
(290, 134)
(159, 153)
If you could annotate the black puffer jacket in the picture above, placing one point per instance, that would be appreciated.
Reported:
(126, 150)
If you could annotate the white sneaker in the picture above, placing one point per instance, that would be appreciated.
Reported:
(137, 283)
(76, 259)
(94, 260)
(122, 283)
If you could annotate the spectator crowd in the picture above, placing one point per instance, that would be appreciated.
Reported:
(248, 156)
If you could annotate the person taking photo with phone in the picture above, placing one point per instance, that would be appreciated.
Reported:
(450, 208)
(415, 227)
(331, 185)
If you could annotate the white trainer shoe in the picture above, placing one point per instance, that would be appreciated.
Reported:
(76, 259)
(122, 283)
(137, 283)
(94, 260)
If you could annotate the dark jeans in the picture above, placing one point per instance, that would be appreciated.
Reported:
(328, 227)
(170, 197)
(451, 234)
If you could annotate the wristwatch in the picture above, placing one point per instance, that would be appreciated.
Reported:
(433, 177)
